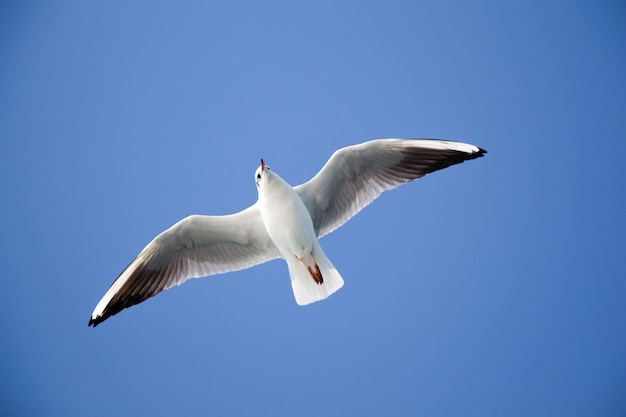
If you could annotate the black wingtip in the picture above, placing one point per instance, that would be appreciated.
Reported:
(478, 154)
(474, 155)
(94, 322)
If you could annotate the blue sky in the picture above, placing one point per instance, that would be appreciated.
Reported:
(492, 288)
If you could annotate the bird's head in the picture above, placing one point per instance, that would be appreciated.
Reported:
(262, 173)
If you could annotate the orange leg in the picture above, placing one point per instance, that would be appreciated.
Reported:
(317, 274)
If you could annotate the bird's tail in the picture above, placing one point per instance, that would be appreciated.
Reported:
(303, 283)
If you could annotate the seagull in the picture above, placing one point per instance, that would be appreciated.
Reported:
(285, 222)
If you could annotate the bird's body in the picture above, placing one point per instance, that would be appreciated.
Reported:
(289, 225)
(286, 222)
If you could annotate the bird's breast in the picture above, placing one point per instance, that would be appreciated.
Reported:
(287, 221)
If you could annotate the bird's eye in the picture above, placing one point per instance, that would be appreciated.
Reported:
(258, 176)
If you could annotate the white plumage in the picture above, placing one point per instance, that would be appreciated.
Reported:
(285, 222)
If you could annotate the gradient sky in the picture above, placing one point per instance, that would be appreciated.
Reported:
(492, 288)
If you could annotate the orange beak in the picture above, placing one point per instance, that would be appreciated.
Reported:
(262, 165)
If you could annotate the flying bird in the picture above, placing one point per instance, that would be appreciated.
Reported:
(285, 222)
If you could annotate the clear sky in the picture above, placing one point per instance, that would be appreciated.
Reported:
(492, 288)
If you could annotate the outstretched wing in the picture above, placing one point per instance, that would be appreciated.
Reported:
(356, 175)
(194, 247)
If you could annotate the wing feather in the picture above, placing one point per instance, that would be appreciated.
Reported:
(356, 175)
(196, 246)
